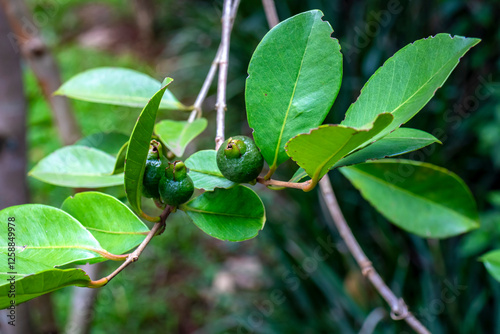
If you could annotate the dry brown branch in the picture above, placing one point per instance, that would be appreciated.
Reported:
(399, 309)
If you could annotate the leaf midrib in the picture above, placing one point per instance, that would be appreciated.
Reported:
(291, 100)
(116, 176)
(115, 232)
(318, 171)
(423, 85)
(219, 213)
(95, 250)
(89, 97)
(207, 173)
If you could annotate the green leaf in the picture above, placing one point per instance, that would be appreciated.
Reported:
(420, 198)
(45, 237)
(117, 86)
(120, 160)
(491, 261)
(234, 214)
(400, 141)
(111, 222)
(320, 149)
(294, 77)
(41, 283)
(408, 80)
(77, 167)
(204, 172)
(178, 134)
(109, 142)
(137, 151)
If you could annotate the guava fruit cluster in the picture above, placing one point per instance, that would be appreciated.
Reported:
(240, 160)
(164, 180)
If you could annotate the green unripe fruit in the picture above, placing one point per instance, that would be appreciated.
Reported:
(239, 159)
(155, 167)
(175, 187)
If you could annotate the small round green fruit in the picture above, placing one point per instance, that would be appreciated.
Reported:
(155, 167)
(175, 187)
(239, 159)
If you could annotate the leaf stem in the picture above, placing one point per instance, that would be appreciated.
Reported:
(110, 256)
(302, 185)
(399, 309)
(197, 110)
(134, 256)
(270, 173)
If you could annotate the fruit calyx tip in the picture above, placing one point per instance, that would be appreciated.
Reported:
(235, 148)
(176, 170)
(154, 150)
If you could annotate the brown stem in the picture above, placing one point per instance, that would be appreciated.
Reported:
(134, 256)
(271, 182)
(399, 309)
(110, 256)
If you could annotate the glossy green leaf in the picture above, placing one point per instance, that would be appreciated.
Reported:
(94, 210)
(178, 134)
(45, 237)
(32, 286)
(120, 160)
(320, 149)
(117, 86)
(77, 167)
(491, 261)
(234, 214)
(294, 77)
(408, 80)
(137, 151)
(400, 141)
(420, 198)
(204, 172)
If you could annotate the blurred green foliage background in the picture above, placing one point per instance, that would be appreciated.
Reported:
(187, 282)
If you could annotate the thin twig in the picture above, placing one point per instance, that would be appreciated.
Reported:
(197, 110)
(223, 66)
(271, 14)
(204, 89)
(134, 256)
(399, 309)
